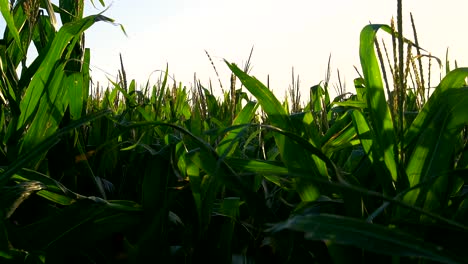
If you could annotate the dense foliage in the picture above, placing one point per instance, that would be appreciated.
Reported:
(170, 174)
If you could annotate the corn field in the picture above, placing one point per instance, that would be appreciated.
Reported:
(169, 174)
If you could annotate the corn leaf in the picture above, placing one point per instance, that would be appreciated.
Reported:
(5, 9)
(47, 70)
(372, 237)
(77, 223)
(292, 153)
(45, 145)
(228, 144)
(442, 122)
(380, 117)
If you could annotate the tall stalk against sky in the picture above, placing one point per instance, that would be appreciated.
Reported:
(401, 89)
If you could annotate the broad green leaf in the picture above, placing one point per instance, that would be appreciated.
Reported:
(309, 127)
(227, 146)
(292, 153)
(218, 171)
(368, 141)
(193, 172)
(86, 220)
(454, 79)
(352, 103)
(258, 166)
(276, 113)
(8, 255)
(364, 132)
(49, 113)
(372, 237)
(48, 68)
(431, 159)
(77, 83)
(380, 116)
(306, 147)
(12, 196)
(5, 9)
(54, 191)
(45, 145)
(340, 135)
(56, 198)
(316, 94)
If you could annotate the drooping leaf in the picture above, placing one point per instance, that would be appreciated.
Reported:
(371, 237)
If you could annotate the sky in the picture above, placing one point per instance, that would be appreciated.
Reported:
(284, 34)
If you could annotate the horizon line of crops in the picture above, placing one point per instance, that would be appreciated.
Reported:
(172, 174)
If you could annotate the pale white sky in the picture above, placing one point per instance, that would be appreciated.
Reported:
(299, 33)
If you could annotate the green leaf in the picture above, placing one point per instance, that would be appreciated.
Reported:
(86, 220)
(49, 113)
(45, 145)
(258, 166)
(352, 103)
(368, 141)
(276, 113)
(76, 93)
(340, 135)
(453, 80)
(209, 185)
(438, 128)
(293, 154)
(54, 191)
(5, 9)
(372, 237)
(228, 144)
(379, 113)
(49, 66)
(12, 196)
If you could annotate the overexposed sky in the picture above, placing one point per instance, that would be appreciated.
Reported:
(285, 34)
